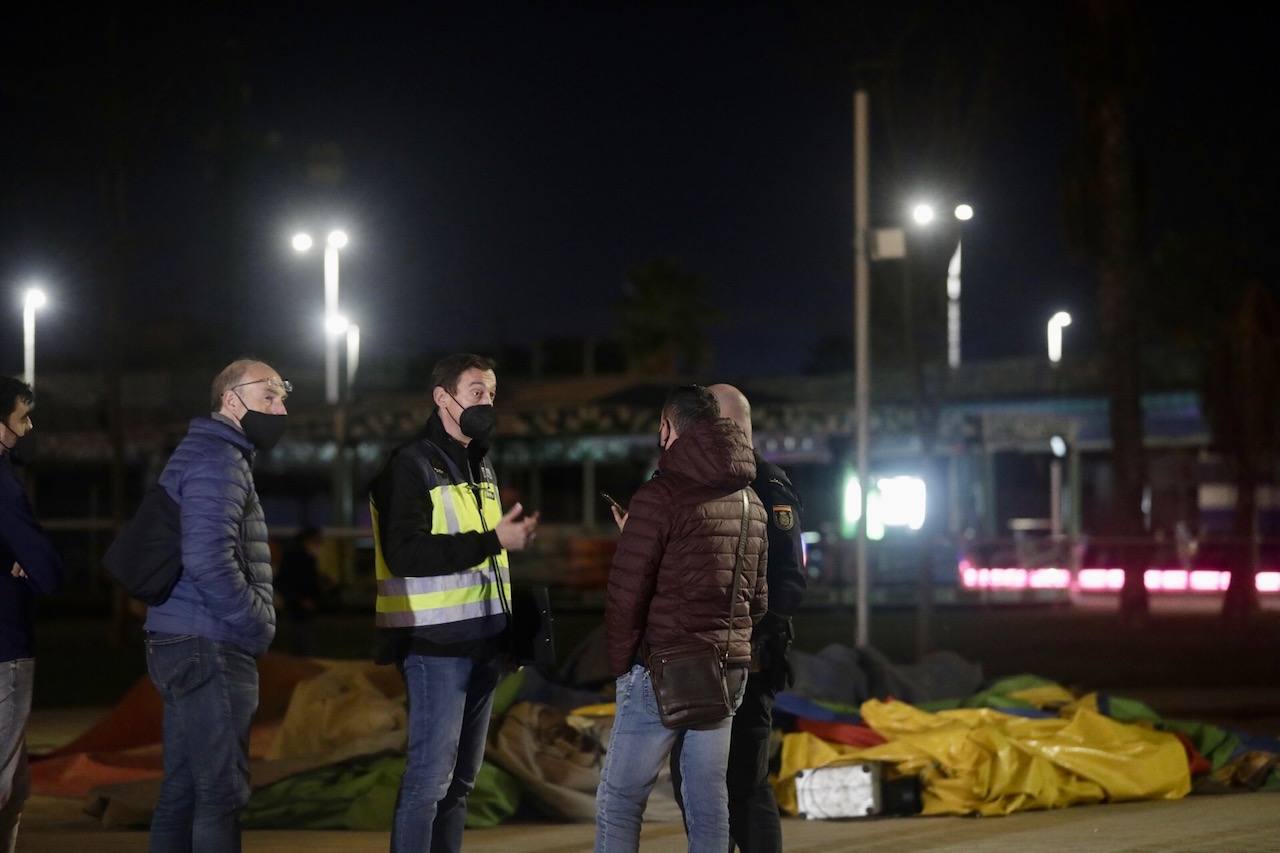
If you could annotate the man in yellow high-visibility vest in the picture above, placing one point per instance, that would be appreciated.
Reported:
(444, 596)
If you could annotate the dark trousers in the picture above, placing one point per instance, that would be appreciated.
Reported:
(753, 812)
(210, 691)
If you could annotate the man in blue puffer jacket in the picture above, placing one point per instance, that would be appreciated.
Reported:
(202, 642)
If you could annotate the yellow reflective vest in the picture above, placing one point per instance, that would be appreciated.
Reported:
(468, 604)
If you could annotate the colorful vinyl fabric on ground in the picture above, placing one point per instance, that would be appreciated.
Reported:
(981, 761)
(360, 793)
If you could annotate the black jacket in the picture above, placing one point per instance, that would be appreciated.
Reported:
(23, 541)
(411, 550)
(786, 555)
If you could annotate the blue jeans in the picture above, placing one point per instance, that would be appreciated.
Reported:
(638, 747)
(16, 680)
(210, 691)
(449, 704)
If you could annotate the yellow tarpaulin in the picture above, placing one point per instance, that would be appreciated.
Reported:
(981, 761)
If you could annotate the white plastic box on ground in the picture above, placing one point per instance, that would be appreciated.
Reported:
(841, 791)
(855, 790)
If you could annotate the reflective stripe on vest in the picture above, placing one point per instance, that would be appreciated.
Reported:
(472, 593)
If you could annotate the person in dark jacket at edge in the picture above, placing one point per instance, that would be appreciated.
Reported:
(670, 583)
(203, 641)
(753, 811)
(29, 567)
(300, 588)
(443, 596)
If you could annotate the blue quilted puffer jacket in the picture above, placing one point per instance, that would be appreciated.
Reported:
(224, 592)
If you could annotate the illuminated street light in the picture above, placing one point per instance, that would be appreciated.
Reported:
(353, 355)
(1057, 323)
(32, 301)
(964, 212)
(336, 325)
(922, 214)
(335, 241)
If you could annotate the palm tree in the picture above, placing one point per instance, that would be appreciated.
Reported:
(1104, 216)
(1243, 408)
(664, 315)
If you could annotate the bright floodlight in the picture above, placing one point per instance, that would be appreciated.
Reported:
(903, 502)
(964, 212)
(36, 298)
(301, 242)
(336, 325)
(922, 214)
(1058, 445)
(338, 239)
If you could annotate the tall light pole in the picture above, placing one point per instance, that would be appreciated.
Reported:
(353, 356)
(333, 244)
(862, 354)
(1058, 446)
(1056, 324)
(336, 241)
(336, 327)
(924, 214)
(33, 300)
(963, 213)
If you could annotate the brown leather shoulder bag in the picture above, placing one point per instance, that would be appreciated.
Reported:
(691, 681)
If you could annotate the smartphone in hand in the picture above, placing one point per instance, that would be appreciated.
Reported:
(619, 507)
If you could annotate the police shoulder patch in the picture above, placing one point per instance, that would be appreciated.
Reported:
(784, 517)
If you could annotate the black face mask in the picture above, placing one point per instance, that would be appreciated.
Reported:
(23, 451)
(477, 422)
(264, 431)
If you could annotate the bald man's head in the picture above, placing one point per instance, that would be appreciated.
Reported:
(734, 405)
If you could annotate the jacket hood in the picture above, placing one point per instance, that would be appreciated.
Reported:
(714, 454)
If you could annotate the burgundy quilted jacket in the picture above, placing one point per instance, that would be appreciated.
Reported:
(673, 570)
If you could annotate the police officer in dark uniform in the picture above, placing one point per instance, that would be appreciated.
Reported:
(753, 812)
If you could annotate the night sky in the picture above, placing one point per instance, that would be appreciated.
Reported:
(500, 168)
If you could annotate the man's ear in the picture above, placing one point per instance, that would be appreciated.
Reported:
(439, 396)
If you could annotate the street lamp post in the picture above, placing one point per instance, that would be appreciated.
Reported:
(32, 301)
(333, 244)
(353, 356)
(1058, 446)
(862, 360)
(924, 214)
(336, 327)
(1053, 330)
(336, 241)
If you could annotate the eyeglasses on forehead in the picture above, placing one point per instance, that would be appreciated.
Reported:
(276, 384)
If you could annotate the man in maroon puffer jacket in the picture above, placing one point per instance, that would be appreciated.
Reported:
(670, 583)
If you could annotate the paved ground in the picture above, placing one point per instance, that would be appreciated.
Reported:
(1241, 822)
(1184, 665)
(1244, 822)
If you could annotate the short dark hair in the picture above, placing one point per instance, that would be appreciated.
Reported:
(449, 369)
(687, 405)
(11, 391)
